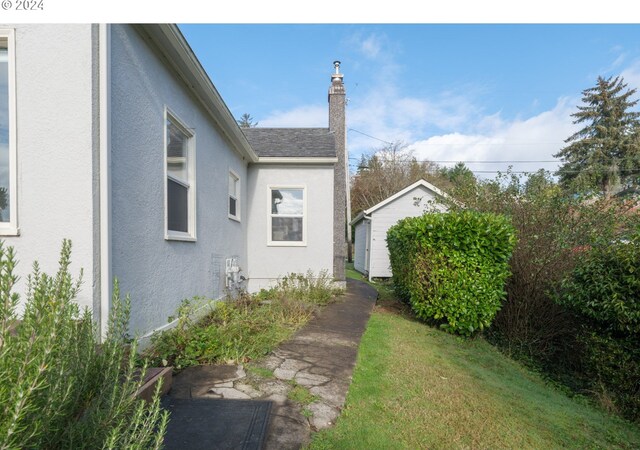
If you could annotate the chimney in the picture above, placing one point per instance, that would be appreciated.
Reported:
(341, 206)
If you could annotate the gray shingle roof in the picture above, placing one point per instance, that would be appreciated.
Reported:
(292, 142)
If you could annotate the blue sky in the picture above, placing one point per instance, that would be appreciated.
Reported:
(450, 92)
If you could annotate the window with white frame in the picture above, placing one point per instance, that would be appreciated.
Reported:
(8, 220)
(287, 210)
(180, 180)
(234, 195)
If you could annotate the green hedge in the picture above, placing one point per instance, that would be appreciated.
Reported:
(452, 267)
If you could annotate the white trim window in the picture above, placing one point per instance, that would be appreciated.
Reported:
(180, 182)
(234, 196)
(8, 171)
(287, 221)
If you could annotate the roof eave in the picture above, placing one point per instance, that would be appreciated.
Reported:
(359, 217)
(178, 54)
(296, 160)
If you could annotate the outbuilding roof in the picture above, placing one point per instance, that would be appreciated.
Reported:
(292, 142)
(399, 194)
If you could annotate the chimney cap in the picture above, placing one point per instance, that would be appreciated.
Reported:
(337, 76)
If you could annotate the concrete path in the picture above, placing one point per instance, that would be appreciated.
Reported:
(307, 377)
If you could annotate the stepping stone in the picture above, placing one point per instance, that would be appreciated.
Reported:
(323, 415)
(229, 393)
(284, 374)
(310, 379)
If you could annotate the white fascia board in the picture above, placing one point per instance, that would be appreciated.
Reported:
(399, 194)
(295, 160)
(178, 54)
(357, 218)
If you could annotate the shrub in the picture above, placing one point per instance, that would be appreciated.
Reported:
(604, 291)
(452, 267)
(605, 285)
(553, 232)
(59, 389)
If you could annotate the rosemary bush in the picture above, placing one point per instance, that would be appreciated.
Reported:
(59, 388)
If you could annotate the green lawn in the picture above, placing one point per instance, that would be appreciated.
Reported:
(417, 387)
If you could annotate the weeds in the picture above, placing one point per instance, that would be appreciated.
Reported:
(301, 395)
(243, 328)
(260, 371)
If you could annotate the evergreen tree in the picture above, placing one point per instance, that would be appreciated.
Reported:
(459, 174)
(606, 151)
(246, 121)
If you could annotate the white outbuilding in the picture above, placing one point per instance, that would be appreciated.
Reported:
(371, 256)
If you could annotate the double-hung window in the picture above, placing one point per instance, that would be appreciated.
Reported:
(180, 180)
(287, 216)
(8, 191)
(234, 196)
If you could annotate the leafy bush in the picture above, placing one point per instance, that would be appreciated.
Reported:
(59, 389)
(559, 237)
(452, 267)
(243, 328)
(605, 286)
(604, 290)
(553, 232)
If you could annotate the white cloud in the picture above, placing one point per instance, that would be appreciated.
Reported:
(300, 117)
(631, 75)
(534, 139)
(371, 46)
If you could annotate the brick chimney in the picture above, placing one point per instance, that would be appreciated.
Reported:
(337, 125)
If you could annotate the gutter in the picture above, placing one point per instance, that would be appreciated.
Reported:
(296, 160)
(170, 42)
(104, 55)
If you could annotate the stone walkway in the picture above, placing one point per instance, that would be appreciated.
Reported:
(306, 378)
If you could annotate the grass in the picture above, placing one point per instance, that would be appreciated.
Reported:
(417, 387)
(301, 395)
(260, 371)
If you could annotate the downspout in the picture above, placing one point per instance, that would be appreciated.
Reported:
(105, 177)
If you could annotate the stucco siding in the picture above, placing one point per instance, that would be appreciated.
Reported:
(159, 273)
(267, 263)
(55, 150)
(413, 203)
(360, 246)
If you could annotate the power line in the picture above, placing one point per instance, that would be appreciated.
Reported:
(622, 172)
(368, 135)
(515, 161)
(488, 144)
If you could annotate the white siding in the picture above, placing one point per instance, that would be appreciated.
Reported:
(56, 151)
(268, 263)
(360, 246)
(414, 203)
(160, 273)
